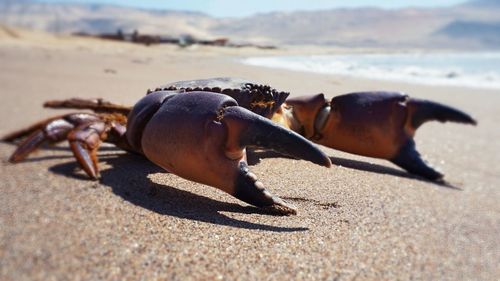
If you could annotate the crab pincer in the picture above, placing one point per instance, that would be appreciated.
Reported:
(202, 137)
(374, 124)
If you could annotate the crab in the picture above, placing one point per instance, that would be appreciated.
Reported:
(200, 129)
(377, 124)
(201, 136)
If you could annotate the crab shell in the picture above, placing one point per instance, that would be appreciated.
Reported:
(258, 98)
(202, 136)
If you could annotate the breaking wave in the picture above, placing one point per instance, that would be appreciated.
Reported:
(476, 70)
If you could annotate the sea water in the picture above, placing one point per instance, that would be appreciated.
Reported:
(477, 70)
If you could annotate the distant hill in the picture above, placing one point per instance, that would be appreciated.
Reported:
(69, 18)
(484, 3)
(472, 25)
(487, 33)
(367, 27)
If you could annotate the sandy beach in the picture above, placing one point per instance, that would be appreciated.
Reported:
(362, 219)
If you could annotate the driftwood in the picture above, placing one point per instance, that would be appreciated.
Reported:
(183, 41)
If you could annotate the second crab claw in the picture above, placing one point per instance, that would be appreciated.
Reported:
(374, 124)
(202, 137)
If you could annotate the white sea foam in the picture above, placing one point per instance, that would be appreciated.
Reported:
(476, 70)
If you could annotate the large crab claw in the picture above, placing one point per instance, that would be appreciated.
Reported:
(202, 137)
(374, 124)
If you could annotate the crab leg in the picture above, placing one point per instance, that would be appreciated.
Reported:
(19, 134)
(96, 105)
(84, 131)
(52, 130)
(84, 142)
(86, 139)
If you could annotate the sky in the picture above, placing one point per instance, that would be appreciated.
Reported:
(240, 8)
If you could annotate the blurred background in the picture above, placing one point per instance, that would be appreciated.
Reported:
(448, 24)
(452, 42)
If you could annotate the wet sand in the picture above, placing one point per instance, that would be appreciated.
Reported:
(362, 219)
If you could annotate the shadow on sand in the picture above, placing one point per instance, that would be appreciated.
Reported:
(255, 156)
(128, 179)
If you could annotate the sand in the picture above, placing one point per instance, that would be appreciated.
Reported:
(362, 219)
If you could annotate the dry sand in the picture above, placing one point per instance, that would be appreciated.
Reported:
(363, 219)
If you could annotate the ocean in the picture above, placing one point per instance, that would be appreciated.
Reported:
(475, 70)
